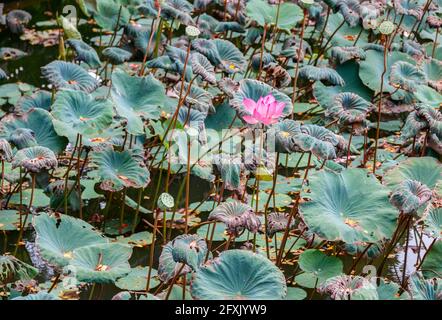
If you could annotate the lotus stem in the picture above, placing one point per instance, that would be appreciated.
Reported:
(324, 48)
(186, 209)
(137, 210)
(54, 283)
(123, 206)
(65, 191)
(3, 175)
(23, 225)
(353, 266)
(396, 31)
(380, 105)
(278, 9)
(79, 177)
(349, 147)
(264, 35)
(295, 79)
(173, 281)
(114, 35)
(404, 271)
(435, 43)
(426, 253)
(419, 21)
(157, 20)
(152, 250)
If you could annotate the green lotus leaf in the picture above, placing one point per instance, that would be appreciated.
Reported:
(426, 170)
(123, 295)
(111, 14)
(239, 274)
(428, 96)
(139, 239)
(67, 75)
(40, 99)
(196, 98)
(371, 69)
(56, 192)
(139, 36)
(179, 10)
(349, 108)
(100, 263)
(318, 140)
(38, 123)
(433, 71)
(344, 54)
(9, 220)
(413, 48)
(118, 170)
(413, 125)
(295, 294)
(84, 52)
(267, 14)
(230, 170)
(421, 289)
(136, 98)
(433, 222)
(410, 195)
(317, 267)
(69, 29)
(278, 221)
(57, 238)
(178, 58)
(409, 8)
(39, 198)
(350, 11)
(233, 26)
(41, 295)
(389, 290)
(267, 58)
(116, 55)
(202, 67)
(136, 279)
(329, 75)
(13, 269)
(346, 35)
(254, 89)
(23, 138)
(5, 150)
(406, 76)
(348, 287)
(284, 133)
(340, 210)
(236, 216)
(168, 267)
(76, 112)
(35, 159)
(432, 265)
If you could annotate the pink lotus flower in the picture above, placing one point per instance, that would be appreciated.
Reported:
(267, 110)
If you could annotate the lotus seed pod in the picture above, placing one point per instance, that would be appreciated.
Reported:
(165, 201)
(386, 27)
(192, 31)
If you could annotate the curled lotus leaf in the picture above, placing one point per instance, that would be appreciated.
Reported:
(349, 108)
(425, 289)
(190, 250)
(230, 169)
(41, 99)
(118, 170)
(116, 55)
(318, 140)
(406, 76)
(67, 75)
(202, 67)
(137, 98)
(56, 191)
(426, 170)
(433, 222)
(168, 267)
(432, 116)
(254, 89)
(340, 210)
(35, 159)
(291, 48)
(23, 138)
(101, 263)
(195, 119)
(41, 295)
(267, 58)
(76, 112)
(13, 269)
(16, 20)
(410, 195)
(84, 52)
(11, 53)
(233, 26)
(313, 73)
(413, 48)
(349, 287)
(228, 86)
(413, 125)
(432, 265)
(5, 150)
(179, 10)
(434, 21)
(350, 10)
(278, 221)
(57, 237)
(276, 74)
(428, 95)
(343, 54)
(409, 8)
(197, 98)
(239, 274)
(284, 133)
(236, 216)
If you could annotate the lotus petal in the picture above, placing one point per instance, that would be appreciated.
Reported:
(35, 159)
(343, 54)
(236, 216)
(101, 263)
(118, 170)
(313, 73)
(13, 269)
(84, 52)
(16, 20)
(40, 99)
(137, 98)
(76, 112)
(239, 274)
(58, 237)
(202, 67)
(406, 76)
(349, 108)
(340, 210)
(66, 75)
(410, 195)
